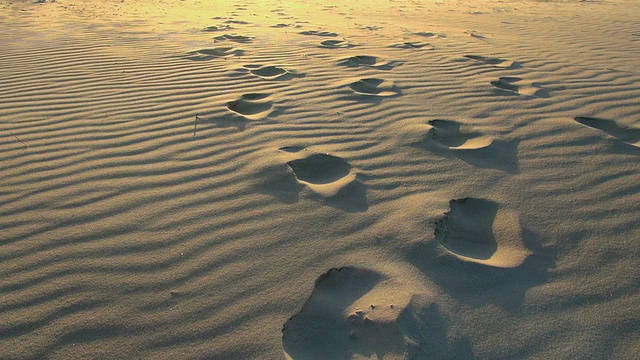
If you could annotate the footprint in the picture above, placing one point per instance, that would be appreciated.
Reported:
(446, 137)
(427, 34)
(516, 86)
(477, 230)
(251, 106)
(413, 45)
(320, 169)
(332, 178)
(335, 44)
(239, 22)
(497, 62)
(318, 33)
(352, 312)
(448, 134)
(234, 38)
(367, 61)
(623, 133)
(271, 72)
(217, 28)
(208, 54)
(375, 87)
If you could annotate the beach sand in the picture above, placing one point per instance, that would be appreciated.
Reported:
(319, 180)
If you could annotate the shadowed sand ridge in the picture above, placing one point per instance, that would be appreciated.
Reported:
(475, 230)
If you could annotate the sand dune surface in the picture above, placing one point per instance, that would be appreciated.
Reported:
(265, 179)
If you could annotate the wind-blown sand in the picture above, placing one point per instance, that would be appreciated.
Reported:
(319, 180)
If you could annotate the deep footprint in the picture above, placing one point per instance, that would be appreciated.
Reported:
(374, 87)
(251, 106)
(345, 317)
(623, 133)
(320, 169)
(475, 230)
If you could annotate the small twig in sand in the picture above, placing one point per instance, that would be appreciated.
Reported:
(195, 126)
(15, 136)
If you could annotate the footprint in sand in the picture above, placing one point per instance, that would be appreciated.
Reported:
(351, 312)
(217, 28)
(318, 33)
(335, 44)
(448, 137)
(416, 45)
(478, 230)
(271, 72)
(375, 87)
(367, 61)
(233, 38)
(239, 22)
(517, 86)
(320, 169)
(628, 135)
(252, 106)
(214, 53)
(497, 62)
(332, 178)
(428, 34)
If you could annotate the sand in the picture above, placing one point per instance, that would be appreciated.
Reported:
(319, 180)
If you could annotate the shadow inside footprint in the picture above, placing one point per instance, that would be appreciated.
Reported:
(335, 44)
(497, 62)
(628, 135)
(328, 327)
(251, 106)
(271, 72)
(375, 87)
(467, 230)
(367, 61)
(320, 168)
(331, 180)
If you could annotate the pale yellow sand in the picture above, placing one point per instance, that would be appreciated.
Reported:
(319, 180)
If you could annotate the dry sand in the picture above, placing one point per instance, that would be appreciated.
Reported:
(319, 180)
